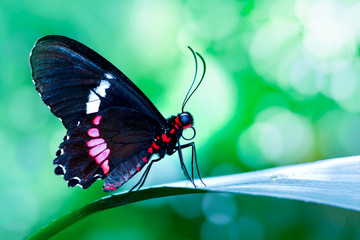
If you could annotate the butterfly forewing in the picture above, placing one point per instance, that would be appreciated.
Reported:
(74, 81)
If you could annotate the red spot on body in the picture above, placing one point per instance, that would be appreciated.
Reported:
(165, 138)
(96, 120)
(172, 131)
(98, 149)
(95, 142)
(154, 146)
(93, 132)
(105, 167)
(177, 121)
(102, 156)
(150, 150)
(144, 159)
(138, 168)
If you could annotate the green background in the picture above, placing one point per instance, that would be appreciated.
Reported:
(282, 87)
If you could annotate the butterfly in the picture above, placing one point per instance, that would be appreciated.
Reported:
(113, 129)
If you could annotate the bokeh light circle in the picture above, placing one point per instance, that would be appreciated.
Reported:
(278, 137)
(219, 209)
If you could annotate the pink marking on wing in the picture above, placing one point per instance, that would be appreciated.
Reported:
(172, 131)
(138, 168)
(105, 167)
(98, 149)
(95, 142)
(102, 156)
(144, 159)
(93, 132)
(124, 179)
(96, 120)
(150, 150)
(118, 184)
(111, 188)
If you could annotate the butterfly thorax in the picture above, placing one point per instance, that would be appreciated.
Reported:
(165, 142)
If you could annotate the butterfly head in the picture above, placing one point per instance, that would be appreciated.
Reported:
(185, 120)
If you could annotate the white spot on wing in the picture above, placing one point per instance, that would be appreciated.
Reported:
(77, 178)
(93, 96)
(59, 118)
(94, 101)
(64, 170)
(102, 87)
(109, 76)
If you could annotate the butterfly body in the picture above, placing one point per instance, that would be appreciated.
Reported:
(113, 129)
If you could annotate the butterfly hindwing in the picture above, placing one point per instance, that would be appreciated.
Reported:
(112, 143)
(74, 81)
(126, 170)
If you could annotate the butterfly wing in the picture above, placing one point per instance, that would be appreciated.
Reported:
(113, 141)
(74, 81)
(110, 122)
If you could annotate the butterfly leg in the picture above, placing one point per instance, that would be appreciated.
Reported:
(193, 159)
(141, 182)
(179, 149)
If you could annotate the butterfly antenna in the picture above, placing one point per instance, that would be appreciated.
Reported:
(187, 97)
(192, 84)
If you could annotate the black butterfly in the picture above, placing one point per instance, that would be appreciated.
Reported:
(113, 129)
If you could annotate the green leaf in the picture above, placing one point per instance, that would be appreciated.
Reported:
(333, 182)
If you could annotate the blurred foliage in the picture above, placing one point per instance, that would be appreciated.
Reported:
(282, 88)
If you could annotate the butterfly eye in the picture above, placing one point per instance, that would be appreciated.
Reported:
(186, 119)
